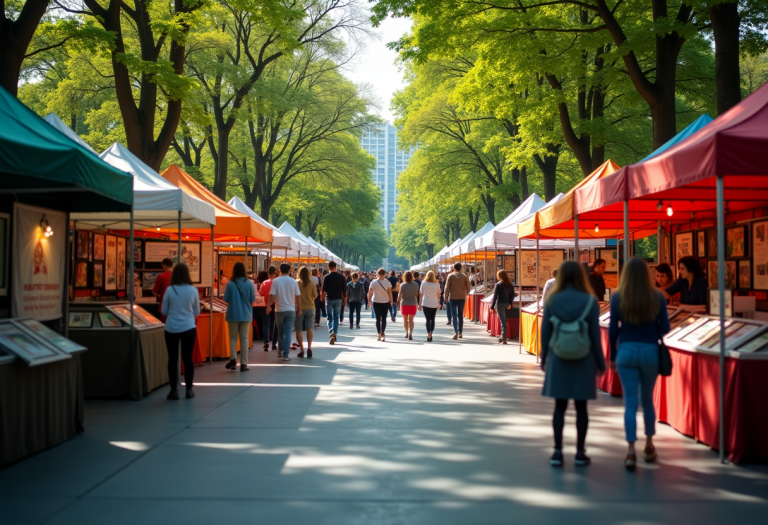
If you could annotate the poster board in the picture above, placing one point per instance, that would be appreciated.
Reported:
(760, 255)
(155, 252)
(683, 245)
(226, 262)
(110, 282)
(38, 263)
(510, 267)
(206, 264)
(611, 257)
(549, 260)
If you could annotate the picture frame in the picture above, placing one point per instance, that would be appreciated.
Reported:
(121, 275)
(713, 305)
(31, 349)
(736, 242)
(80, 319)
(611, 257)
(712, 274)
(81, 274)
(148, 280)
(123, 313)
(147, 317)
(109, 320)
(98, 275)
(745, 274)
(137, 244)
(81, 246)
(701, 244)
(759, 250)
(711, 243)
(110, 265)
(731, 274)
(98, 247)
(757, 344)
(5, 224)
(52, 337)
(683, 246)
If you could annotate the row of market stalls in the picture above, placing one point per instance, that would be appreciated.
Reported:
(703, 194)
(83, 239)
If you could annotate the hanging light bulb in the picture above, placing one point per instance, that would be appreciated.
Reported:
(45, 227)
(597, 228)
(669, 210)
(158, 228)
(659, 205)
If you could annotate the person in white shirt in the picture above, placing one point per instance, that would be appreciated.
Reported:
(380, 294)
(549, 285)
(181, 304)
(287, 297)
(429, 301)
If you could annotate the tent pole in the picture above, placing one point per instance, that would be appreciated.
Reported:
(576, 237)
(536, 350)
(721, 313)
(658, 242)
(68, 252)
(474, 310)
(131, 299)
(519, 281)
(626, 232)
(178, 253)
(246, 255)
(210, 304)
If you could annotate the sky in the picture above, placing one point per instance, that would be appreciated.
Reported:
(375, 65)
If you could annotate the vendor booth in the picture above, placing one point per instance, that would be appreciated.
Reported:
(45, 177)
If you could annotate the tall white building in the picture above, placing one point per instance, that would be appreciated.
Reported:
(381, 142)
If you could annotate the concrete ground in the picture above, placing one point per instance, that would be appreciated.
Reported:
(402, 432)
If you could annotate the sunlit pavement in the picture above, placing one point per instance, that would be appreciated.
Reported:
(402, 432)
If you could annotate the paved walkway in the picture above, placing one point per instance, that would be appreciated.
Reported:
(402, 432)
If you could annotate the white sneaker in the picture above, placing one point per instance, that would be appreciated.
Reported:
(286, 358)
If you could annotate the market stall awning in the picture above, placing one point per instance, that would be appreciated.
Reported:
(157, 202)
(505, 233)
(279, 239)
(36, 157)
(230, 223)
(692, 128)
(323, 252)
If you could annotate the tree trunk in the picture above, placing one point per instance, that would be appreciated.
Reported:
(524, 182)
(15, 36)
(548, 168)
(490, 207)
(222, 166)
(725, 28)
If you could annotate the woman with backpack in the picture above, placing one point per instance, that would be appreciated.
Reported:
(239, 296)
(503, 296)
(642, 311)
(571, 354)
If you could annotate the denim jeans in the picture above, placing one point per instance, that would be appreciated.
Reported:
(333, 309)
(393, 308)
(269, 326)
(638, 366)
(285, 322)
(354, 310)
(448, 311)
(457, 314)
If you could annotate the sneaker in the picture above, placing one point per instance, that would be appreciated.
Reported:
(244, 368)
(301, 354)
(557, 458)
(309, 353)
(630, 462)
(173, 395)
(286, 358)
(231, 365)
(266, 347)
(358, 327)
(393, 318)
(649, 454)
(582, 459)
(406, 335)
(190, 393)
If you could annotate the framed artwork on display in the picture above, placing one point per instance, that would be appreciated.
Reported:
(137, 251)
(31, 349)
(80, 319)
(611, 257)
(148, 280)
(5, 222)
(745, 274)
(120, 263)
(711, 243)
(109, 320)
(124, 314)
(82, 244)
(90, 246)
(731, 274)
(714, 302)
(81, 275)
(736, 242)
(98, 275)
(110, 266)
(98, 247)
(147, 317)
(155, 252)
(757, 344)
(51, 336)
(701, 244)
(683, 245)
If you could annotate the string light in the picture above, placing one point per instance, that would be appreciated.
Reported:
(669, 210)
(45, 227)
(597, 228)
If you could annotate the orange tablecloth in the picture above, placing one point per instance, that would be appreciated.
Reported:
(220, 336)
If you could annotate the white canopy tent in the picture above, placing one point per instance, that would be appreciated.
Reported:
(59, 125)
(279, 239)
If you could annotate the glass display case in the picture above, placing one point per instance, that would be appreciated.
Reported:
(142, 320)
(28, 345)
(690, 323)
(219, 306)
(754, 345)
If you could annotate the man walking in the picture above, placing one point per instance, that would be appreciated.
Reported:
(596, 280)
(456, 290)
(285, 293)
(334, 295)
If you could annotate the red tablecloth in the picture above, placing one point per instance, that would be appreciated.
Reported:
(484, 310)
(494, 325)
(610, 381)
(681, 389)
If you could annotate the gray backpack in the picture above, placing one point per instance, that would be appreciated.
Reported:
(571, 341)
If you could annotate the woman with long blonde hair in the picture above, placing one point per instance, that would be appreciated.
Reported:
(642, 311)
(503, 297)
(306, 321)
(429, 301)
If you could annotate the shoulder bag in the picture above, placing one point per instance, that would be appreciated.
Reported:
(385, 289)
(665, 360)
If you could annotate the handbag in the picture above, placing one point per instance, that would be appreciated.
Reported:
(665, 359)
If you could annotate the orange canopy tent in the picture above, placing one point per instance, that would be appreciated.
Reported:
(231, 225)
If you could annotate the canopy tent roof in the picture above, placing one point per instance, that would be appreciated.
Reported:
(692, 128)
(471, 244)
(323, 252)
(59, 125)
(683, 176)
(35, 157)
(230, 223)
(456, 250)
(156, 203)
(279, 239)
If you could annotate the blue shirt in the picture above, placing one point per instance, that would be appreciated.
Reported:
(639, 333)
(239, 296)
(181, 305)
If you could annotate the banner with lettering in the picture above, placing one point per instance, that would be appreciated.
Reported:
(39, 264)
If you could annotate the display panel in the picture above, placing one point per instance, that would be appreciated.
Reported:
(109, 320)
(51, 336)
(758, 344)
(150, 319)
(80, 319)
(218, 305)
(686, 326)
(678, 320)
(611, 257)
(702, 332)
(32, 350)
(124, 314)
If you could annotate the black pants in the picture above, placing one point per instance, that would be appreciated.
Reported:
(429, 314)
(382, 311)
(582, 422)
(354, 309)
(341, 314)
(319, 305)
(187, 340)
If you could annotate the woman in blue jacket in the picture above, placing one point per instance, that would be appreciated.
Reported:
(239, 296)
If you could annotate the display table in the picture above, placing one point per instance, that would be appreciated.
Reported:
(40, 407)
(610, 381)
(113, 367)
(688, 401)
(220, 336)
(513, 323)
(484, 311)
(469, 306)
(531, 335)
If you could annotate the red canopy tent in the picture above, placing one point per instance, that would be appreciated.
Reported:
(720, 170)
